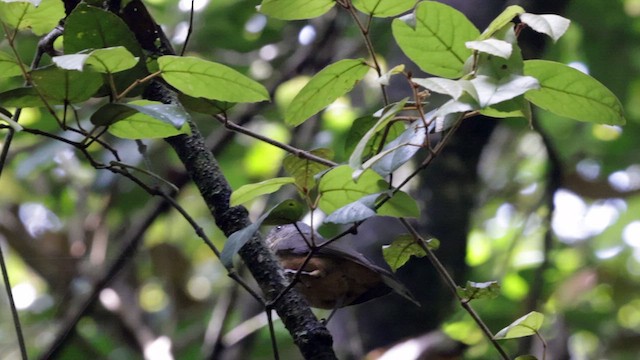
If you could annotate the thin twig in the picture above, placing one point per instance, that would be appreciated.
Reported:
(189, 30)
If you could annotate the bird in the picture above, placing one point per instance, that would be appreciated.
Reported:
(336, 275)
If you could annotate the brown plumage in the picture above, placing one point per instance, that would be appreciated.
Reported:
(337, 275)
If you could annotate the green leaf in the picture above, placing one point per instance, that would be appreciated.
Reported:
(388, 113)
(286, 212)
(89, 27)
(568, 92)
(108, 60)
(434, 38)
(204, 106)
(296, 9)
(324, 88)
(200, 78)
(24, 97)
(9, 65)
(142, 119)
(501, 21)
(361, 126)
(251, 191)
(355, 211)
(64, 85)
(552, 25)
(25, 15)
(305, 170)
(514, 108)
(397, 152)
(337, 189)
(383, 8)
(525, 326)
(403, 248)
(475, 290)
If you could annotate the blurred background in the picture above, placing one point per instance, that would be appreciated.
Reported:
(553, 215)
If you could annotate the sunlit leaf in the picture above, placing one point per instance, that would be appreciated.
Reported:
(552, 25)
(40, 18)
(501, 21)
(251, 191)
(200, 78)
(525, 326)
(324, 88)
(295, 9)
(434, 38)
(108, 60)
(491, 91)
(483, 290)
(337, 189)
(383, 8)
(568, 92)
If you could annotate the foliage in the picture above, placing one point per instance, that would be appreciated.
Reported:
(87, 96)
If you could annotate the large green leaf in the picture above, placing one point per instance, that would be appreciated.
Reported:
(337, 189)
(568, 92)
(9, 65)
(66, 85)
(200, 78)
(25, 15)
(296, 9)
(251, 191)
(108, 60)
(89, 27)
(383, 8)
(142, 119)
(324, 88)
(24, 97)
(434, 38)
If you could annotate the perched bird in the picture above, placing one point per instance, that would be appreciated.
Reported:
(336, 275)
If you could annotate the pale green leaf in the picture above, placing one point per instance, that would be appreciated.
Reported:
(383, 8)
(501, 21)
(287, 212)
(9, 65)
(552, 25)
(324, 88)
(337, 189)
(397, 152)
(25, 15)
(434, 38)
(251, 191)
(568, 92)
(389, 112)
(525, 326)
(200, 78)
(108, 60)
(495, 47)
(142, 119)
(295, 9)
